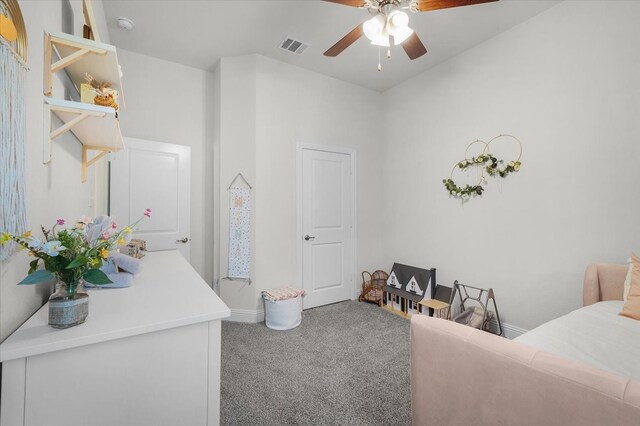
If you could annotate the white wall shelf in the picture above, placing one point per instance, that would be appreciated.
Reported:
(79, 56)
(96, 127)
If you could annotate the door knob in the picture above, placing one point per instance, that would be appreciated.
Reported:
(185, 240)
(307, 238)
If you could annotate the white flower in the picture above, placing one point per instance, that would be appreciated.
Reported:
(35, 243)
(53, 248)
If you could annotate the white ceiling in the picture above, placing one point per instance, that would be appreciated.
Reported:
(199, 33)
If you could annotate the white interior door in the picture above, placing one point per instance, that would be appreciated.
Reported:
(153, 175)
(326, 226)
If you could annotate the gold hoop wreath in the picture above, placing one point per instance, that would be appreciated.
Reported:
(13, 32)
(489, 164)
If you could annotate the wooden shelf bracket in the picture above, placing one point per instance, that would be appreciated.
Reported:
(51, 134)
(80, 50)
(86, 163)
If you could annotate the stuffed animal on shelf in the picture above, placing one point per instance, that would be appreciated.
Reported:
(104, 94)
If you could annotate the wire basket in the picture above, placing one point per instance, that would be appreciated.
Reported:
(373, 286)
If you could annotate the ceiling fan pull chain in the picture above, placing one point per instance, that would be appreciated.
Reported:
(379, 64)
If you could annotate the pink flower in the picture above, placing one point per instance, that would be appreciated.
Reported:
(105, 235)
(114, 225)
(147, 212)
(60, 222)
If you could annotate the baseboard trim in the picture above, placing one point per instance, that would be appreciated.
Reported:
(246, 315)
(510, 331)
(255, 316)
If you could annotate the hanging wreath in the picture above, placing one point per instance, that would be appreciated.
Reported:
(511, 167)
(469, 190)
(489, 164)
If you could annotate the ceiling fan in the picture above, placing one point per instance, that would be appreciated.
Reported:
(390, 23)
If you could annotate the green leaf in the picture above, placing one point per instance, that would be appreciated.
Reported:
(33, 266)
(37, 277)
(96, 276)
(78, 261)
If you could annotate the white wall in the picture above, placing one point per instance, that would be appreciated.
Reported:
(267, 108)
(237, 148)
(565, 83)
(53, 190)
(168, 102)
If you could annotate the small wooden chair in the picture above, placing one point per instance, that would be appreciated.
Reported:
(373, 286)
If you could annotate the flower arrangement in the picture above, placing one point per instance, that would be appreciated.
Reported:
(75, 253)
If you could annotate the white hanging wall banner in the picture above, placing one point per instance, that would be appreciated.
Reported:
(13, 212)
(239, 232)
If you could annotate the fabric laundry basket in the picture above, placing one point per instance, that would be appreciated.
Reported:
(283, 307)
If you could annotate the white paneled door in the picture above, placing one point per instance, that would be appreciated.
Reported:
(326, 226)
(157, 176)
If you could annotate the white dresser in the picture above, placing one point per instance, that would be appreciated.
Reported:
(147, 355)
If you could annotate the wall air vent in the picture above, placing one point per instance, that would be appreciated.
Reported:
(294, 46)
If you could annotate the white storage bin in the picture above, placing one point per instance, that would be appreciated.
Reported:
(283, 314)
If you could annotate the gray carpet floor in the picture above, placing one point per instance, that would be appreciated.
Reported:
(346, 364)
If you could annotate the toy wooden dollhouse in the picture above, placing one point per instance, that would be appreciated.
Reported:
(406, 287)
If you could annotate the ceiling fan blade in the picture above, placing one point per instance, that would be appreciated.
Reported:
(426, 5)
(352, 3)
(414, 47)
(345, 41)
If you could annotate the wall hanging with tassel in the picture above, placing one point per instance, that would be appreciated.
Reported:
(13, 69)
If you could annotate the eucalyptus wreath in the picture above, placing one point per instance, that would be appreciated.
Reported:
(490, 165)
(462, 192)
(512, 166)
(470, 190)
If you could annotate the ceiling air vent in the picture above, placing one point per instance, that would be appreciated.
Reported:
(294, 46)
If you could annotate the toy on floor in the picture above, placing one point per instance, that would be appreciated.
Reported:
(408, 286)
(474, 307)
(373, 286)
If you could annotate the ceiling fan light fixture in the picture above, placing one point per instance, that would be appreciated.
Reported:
(381, 40)
(401, 35)
(374, 27)
(397, 21)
